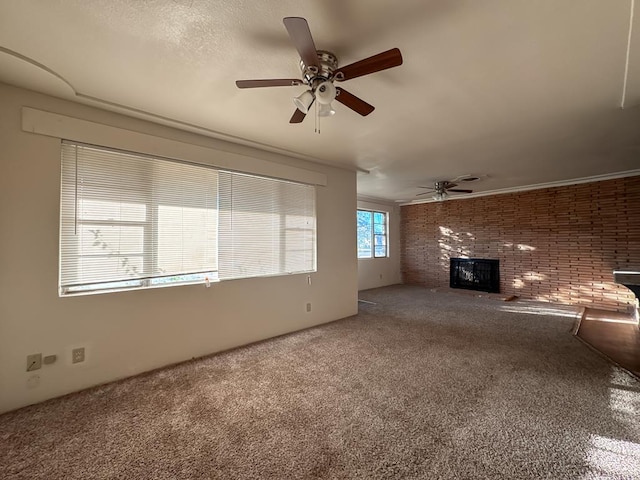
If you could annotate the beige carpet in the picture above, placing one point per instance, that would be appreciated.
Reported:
(422, 385)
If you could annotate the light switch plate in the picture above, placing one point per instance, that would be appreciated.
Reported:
(34, 362)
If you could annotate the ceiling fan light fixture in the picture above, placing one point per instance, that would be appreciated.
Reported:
(326, 110)
(304, 101)
(326, 93)
(440, 196)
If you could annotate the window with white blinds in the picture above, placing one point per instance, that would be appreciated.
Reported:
(134, 221)
(267, 226)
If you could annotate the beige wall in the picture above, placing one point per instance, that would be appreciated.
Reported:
(378, 272)
(131, 332)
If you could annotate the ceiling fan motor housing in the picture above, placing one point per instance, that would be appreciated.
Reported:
(327, 65)
(441, 187)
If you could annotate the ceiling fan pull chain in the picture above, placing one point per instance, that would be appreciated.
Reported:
(317, 119)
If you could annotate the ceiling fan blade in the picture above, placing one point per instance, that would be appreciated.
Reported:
(382, 61)
(300, 35)
(459, 190)
(354, 103)
(276, 82)
(424, 193)
(297, 117)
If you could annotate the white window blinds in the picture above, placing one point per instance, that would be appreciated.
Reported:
(132, 221)
(267, 226)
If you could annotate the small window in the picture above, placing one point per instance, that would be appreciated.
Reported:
(372, 234)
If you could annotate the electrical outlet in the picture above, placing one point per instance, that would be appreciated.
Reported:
(77, 355)
(308, 307)
(34, 362)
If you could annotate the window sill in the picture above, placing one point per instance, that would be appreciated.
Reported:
(135, 288)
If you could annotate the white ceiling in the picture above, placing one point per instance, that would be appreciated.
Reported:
(521, 92)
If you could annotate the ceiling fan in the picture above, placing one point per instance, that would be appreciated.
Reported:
(442, 188)
(320, 70)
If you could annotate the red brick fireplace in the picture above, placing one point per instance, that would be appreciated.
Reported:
(555, 244)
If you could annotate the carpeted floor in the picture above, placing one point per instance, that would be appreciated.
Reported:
(422, 385)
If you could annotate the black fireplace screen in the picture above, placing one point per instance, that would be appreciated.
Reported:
(475, 274)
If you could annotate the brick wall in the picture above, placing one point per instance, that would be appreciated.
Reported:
(556, 244)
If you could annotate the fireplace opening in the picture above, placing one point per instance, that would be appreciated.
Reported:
(475, 274)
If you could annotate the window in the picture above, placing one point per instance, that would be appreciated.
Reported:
(372, 234)
(134, 221)
(267, 227)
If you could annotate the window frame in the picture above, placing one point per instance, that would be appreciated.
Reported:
(373, 235)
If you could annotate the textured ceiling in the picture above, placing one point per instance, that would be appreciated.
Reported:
(517, 91)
